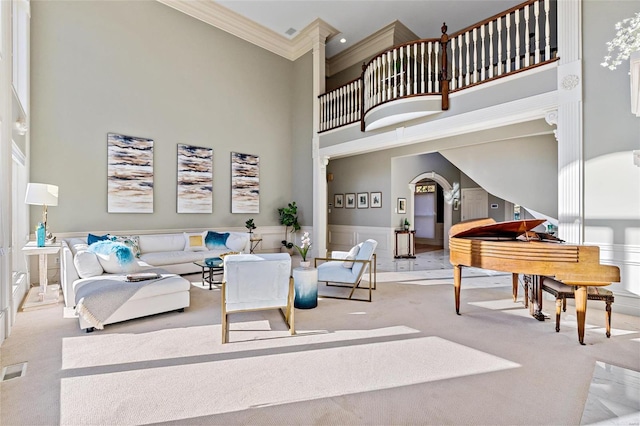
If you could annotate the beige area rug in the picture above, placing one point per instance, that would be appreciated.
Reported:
(405, 358)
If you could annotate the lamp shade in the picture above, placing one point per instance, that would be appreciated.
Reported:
(41, 194)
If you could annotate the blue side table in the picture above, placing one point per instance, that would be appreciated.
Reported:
(305, 283)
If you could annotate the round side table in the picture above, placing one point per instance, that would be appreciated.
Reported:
(305, 283)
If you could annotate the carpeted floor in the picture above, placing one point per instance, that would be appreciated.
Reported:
(405, 358)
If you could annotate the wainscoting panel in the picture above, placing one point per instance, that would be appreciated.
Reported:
(343, 237)
(627, 258)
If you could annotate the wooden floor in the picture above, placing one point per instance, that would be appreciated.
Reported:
(423, 248)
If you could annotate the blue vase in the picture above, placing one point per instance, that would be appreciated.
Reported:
(40, 231)
(305, 282)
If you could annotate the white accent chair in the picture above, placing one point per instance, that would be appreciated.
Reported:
(346, 269)
(253, 282)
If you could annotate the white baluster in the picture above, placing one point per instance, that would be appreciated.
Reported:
(338, 109)
(454, 80)
(348, 106)
(429, 69)
(460, 73)
(367, 83)
(475, 55)
(527, 39)
(491, 49)
(358, 98)
(436, 59)
(422, 85)
(403, 76)
(517, 34)
(467, 74)
(321, 124)
(508, 26)
(482, 55)
(547, 32)
(384, 87)
(415, 68)
(536, 13)
(395, 73)
(499, 28)
(330, 109)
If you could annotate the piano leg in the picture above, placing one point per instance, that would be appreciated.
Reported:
(537, 294)
(580, 293)
(514, 285)
(457, 277)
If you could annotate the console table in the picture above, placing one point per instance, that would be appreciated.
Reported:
(254, 241)
(411, 244)
(39, 296)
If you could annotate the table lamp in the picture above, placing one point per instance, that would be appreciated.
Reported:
(42, 194)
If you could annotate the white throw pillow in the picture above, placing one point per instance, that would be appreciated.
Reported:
(194, 241)
(87, 264)
(236, 242)
(351, 256)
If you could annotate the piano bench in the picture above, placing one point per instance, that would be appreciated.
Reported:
(562, 292)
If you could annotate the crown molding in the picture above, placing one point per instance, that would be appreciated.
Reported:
(229, 21)
(233, 23)
(362, 51)
(303, 42)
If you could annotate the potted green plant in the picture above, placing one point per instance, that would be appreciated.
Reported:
(250, 225)
(406, 224)
(289, 218)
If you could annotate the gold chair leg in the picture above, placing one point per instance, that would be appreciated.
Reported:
(225, 332)
(224, 321)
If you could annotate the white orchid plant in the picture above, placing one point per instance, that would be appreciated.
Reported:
(626, 41)
(304, 248)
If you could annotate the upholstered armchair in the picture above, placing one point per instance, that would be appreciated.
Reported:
(254, 282)
(346, 269)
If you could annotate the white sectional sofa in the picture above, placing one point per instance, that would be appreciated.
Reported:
(171, 255)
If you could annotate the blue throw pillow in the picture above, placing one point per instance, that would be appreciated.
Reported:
(216, 240)
(115, 257)
(95, 238)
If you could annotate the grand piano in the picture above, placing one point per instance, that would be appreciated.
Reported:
(513, 247)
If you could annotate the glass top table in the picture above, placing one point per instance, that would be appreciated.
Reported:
(210, 267)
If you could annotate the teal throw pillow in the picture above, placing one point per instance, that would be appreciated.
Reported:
(95, 238)
(114, 257)
(216, 240)
(120, 250)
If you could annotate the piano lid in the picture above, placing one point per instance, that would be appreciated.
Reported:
(490, 229)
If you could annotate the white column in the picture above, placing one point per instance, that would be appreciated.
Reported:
(319, 247)
(569, 132)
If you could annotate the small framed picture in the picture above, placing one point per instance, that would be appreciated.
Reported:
(402, 205)
(338, 201)
(363, 200)
(350, 201)
(376, 200)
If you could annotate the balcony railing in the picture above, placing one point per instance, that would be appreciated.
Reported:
(515, 40)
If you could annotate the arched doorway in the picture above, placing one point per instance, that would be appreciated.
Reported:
(447, 190)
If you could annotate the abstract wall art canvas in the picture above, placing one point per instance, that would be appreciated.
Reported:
(129, 174)
(195, 179)
(245, 183)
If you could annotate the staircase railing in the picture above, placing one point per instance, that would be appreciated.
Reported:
(515, 40)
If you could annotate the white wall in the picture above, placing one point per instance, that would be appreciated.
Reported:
(144, 69)
(611, 133)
